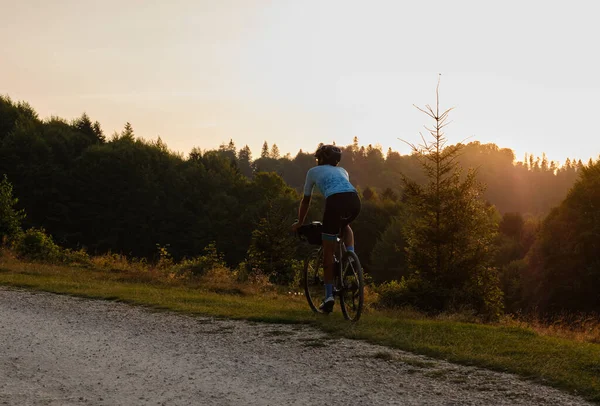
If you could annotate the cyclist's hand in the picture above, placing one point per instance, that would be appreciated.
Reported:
(296, 226)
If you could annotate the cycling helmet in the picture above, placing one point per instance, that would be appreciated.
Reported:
(328, 155)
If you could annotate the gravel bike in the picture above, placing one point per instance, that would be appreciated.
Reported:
(349, 283)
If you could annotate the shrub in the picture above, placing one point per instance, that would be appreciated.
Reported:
(220, 274)
(406, 292)
(35, 245)
(296, 275)
(165, 259)
(118, 263)
(203, 264)
(418, 293)
(80, 257)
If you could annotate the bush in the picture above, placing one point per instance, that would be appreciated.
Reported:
(165, 259)
(420, 294)
(411, 291)
(297, 273)
(118, 263)
(202, 265)
(80, 257)
(36, 245)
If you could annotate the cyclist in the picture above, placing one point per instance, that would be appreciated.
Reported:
(342, 206)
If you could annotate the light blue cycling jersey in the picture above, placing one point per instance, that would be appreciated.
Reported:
(329, 180)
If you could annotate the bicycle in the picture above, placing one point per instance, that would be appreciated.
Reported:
(349, 282)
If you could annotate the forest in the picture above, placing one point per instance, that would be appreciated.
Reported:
(518, 236)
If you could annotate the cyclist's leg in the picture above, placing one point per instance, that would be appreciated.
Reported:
(331, 229)
(328, 266)
(352, 210)
(329, 237)
(348, 236)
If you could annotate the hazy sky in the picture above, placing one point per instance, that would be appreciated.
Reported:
(521, 74)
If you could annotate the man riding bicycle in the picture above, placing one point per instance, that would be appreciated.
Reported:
(342, 206)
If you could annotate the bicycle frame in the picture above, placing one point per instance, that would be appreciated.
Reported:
(351, 305)
(338, 253)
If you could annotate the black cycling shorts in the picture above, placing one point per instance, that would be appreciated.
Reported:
(340, 210)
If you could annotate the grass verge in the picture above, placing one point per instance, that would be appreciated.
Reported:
(566, 364)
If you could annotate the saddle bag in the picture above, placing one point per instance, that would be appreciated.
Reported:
(311, 233)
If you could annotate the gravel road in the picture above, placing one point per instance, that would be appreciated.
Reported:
(60, 350)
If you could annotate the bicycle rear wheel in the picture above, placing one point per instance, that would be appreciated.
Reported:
(352, 294)
(313, 279)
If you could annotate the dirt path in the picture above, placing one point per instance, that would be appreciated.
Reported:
(59, 350)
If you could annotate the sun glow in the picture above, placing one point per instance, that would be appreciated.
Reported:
(300, 73)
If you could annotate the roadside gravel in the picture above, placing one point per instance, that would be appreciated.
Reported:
(61, 350)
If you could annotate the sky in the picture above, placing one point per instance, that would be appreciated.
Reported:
(521, 74)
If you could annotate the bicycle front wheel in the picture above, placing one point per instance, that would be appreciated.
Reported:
(314, 282)
(352, 294)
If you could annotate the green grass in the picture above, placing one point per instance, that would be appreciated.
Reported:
(566, 364)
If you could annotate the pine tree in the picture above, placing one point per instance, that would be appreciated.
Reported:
(531, 161)
(450, 230)
(127, 131)
(275, 152)
(245, 161)
(228, 151)
(272, 248)
(245, 153)
(84, 125)
(99, 133)
(544, 164)
(265, 150)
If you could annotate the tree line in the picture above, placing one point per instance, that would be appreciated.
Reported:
(531, 187)
(127, 195)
